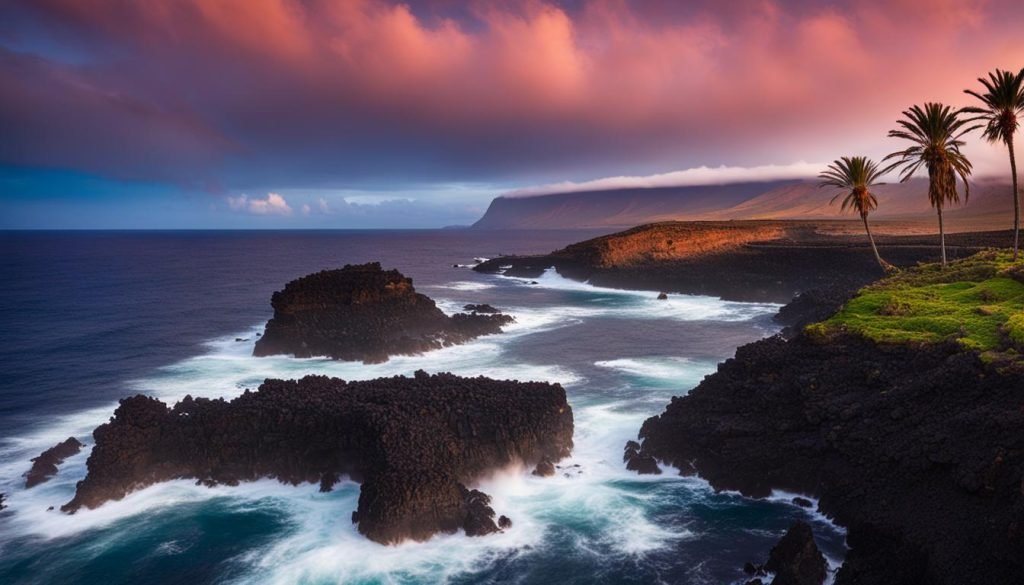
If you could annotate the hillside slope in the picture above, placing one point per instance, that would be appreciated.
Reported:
(989, 206)
(617, 208)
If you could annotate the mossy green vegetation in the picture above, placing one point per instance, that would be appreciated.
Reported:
(977, 301)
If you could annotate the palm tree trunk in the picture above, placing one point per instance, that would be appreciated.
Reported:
(942, 236)
(871, 239)
(1016, 200)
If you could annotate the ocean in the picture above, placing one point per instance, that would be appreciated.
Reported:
(91, 317)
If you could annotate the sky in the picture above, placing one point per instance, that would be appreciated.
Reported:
(375, 113)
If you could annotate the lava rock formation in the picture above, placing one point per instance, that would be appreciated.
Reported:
(45, 465)
(362, 312)
(917, 449)
(413, 443)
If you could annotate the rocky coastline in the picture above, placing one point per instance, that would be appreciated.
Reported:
(415, 444)
(755, 261)
(916, 449)
(364, 313)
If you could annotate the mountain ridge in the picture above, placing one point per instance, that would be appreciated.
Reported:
(989, 206)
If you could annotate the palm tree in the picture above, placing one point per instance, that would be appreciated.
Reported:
(935, 131)
(855, 176)
(1004, 101)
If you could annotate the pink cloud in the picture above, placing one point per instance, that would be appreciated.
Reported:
(524, 87)
(272, 204)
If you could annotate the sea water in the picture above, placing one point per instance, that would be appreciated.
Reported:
(91, 317)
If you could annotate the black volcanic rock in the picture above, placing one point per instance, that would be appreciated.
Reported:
(796, 560)
(45, 465)
(483, 308)
(918, 450)
(4, 496)
(760, 261)
(641, 463)
(413, 443)
(545, 468)
(812, 306)
(361, 312)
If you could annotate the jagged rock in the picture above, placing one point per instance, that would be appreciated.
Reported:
(504, 522)
(803, 502)
(2, 498)
(545, 468)
(796, 560)
(639, 461)
(812, 306)
(916, 449)
(482, 308)
(662, 296)
(45, 465)
(414, 443)
(361, 312)
(479, 513)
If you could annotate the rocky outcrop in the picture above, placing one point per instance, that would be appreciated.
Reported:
(362, 312)
(45, 465)
(759, 261)
(641, 463)
(796, 560)
(2, 498)
(918, 450)
(812, 306)
(414, 443)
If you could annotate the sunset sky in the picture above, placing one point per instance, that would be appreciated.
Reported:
(372, 113)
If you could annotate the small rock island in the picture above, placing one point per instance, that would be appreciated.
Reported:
(364, 313)
(413, 443)
(45, 465)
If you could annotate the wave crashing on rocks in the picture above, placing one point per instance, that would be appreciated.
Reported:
(414, 444)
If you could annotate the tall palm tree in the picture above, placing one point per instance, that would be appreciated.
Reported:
(855, 176)
(935, 132)
(1004, 102)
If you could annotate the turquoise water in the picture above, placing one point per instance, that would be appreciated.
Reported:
(94, 326)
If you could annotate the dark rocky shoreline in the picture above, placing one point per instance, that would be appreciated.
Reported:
(918, 450)
(364, 313)
(709, 258)
(413, 443)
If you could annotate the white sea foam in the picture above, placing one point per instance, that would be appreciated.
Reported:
(464, 286)
(599, 301)
(673, 372)
(591, 491)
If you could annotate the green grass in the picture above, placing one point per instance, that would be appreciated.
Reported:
(977, 301)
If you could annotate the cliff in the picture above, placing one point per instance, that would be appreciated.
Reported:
(616, 208)
(413, 443)
(738, 260)
(361, 312)
(916, 445)
(907, 203)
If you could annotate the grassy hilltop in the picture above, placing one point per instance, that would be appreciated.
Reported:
(978, 301)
